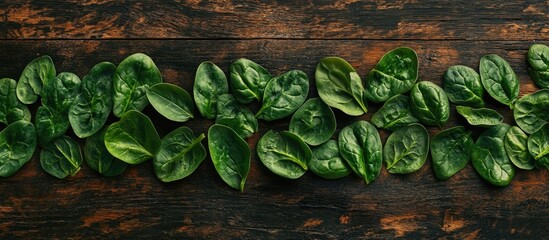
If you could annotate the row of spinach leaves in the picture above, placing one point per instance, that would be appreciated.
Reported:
(126, 89)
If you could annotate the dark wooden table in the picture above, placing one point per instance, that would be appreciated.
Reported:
(280, 35)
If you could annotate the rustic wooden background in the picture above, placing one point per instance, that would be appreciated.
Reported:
(280, 35)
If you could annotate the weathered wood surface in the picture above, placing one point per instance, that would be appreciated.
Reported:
(137, 205)
(326, 19)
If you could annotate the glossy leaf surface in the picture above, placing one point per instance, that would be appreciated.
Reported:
(499, 79)
(230, 154)
(326, 161)
(133, 139)
(17, 145)
(283, 95)
(395, 73)
(171, 101)
(462, 85)
(134, 75)
(92, 107)
(284, 153)
(314, 122)
(406, 149)
(361, 147)
(451, 151)
(394, 114)
(339, 85)
(179, 155)
(209, 83)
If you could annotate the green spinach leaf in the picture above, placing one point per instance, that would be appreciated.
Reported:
(283, 95)
(394, 74)
(248, 80)
(326, 161)
(209, 83)
(98, 157)
(230, 155)
(133, 139)
(451, 151)
(360, 145)
(314, 122)
(50, 125)
(483, 117)
(430, 104)
(394, 114)
(340, 86)
(179, 155)
(284, 153)
(531, 111)
(60, 92)
(239, 118)
(538, 60)
(11, 109)
(489, 157)
(92, 107)
(17, 145)
(61, 157)
(406, 149)
(133, 77)
(171, 101)
(538, 146)
(462, 85)
(516, 146)
(35, 74)
(499, 79)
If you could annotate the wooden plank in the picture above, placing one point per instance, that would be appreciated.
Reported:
(136, 204)
(236, 19)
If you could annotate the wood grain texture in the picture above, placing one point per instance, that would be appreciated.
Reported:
(136, 204)
(236, 19)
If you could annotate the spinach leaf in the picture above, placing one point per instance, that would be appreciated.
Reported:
(284, 153)
(394, 74)
(179, 155)
(209, 83)
(406, 149)
(360, 145)
(499, 79)
(230, 155)
(451, 151)
(538, 60)
(50, 124)
(92, 107)
(248, 80)
(314, 122)
(133, 77)
(394, 114)
(237, 117)
(531, 111)
(133, 139)
(60, 92)
(35, 74)
(483, 117)
(538, 146)
(430, 104)
(462, 85)
(17, 145)
(283, 95)
(98, 157)
(339, 86)
(489, 157)
(326, 161)
(61, 157)
(516, 146)
(11, 109)
(171, 101)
